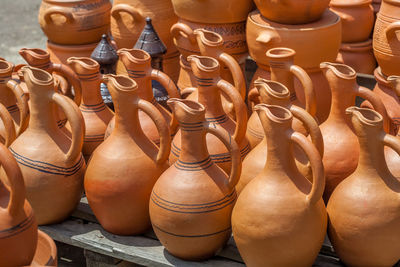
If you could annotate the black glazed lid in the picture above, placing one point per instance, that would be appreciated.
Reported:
(149, 41)
(104, 53)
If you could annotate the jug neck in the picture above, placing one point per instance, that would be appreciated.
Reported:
(127, 118)
(91, 89)
(193, 143)
(210, 96)
(145, 88)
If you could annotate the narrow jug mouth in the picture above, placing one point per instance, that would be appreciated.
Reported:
(341, 70)
(121, 82)
(280, 53)
(38, 76)
(136, 55)
(275, 113)
(209, 38)
(275, 89)
(204, 63)
(366, 115)
(189, 106)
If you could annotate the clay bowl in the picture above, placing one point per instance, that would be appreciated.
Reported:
(46, 251)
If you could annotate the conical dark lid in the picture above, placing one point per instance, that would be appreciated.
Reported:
(104, 53)
(149, 41)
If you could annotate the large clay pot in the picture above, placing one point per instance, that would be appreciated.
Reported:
(51, 163)
(341, 148)
(60, 53)
(274, 93)
(138, 65)
(120, 196)
(18, 228)
(95, 112)
(279, 218)
(357, 18)
(191, 202)
(292, 11)
(386, 42)
(209, 11)
(46, 251)
(359, 56)
(284, 71)
(74, 22)
(364, 210)
(209, 88)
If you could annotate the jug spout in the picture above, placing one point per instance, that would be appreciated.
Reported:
(134, 58)
(83, 65)
(187, 111)
(210, 43)
(204, 67)
(36, 57)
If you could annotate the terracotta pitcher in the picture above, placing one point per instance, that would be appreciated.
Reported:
(18, 228)
(124, 210)
(341, 148)
(138, 65)
(209, 88)
(95, 112)
(51, 163)
(364, 210)
(274, 93)
(192, 201)
(279, 218)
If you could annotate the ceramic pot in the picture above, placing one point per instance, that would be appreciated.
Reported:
(74, 22)
(51, 162)
(274, 93)
(386, 43)
(123, 210)
(292, 11)
(223, 11)
(364, 209)
(138, 64)
(60, 53)
(95, 112)
(171, 66)
(191, 203)
(46, 251)
(359, 56)
(284, 71)
(341, 148)
(128, 18)
(268, 236)
(209, 88)
(357, 18)
(18, 226)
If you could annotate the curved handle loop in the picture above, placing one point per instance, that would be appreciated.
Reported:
(76, 121)
(254, 96)
(69, 17)
(183, 30)
(117, 9)
(162, 127)
(233, 148)
(318, 184)
(22, 103)
(391, 30)
(239, 106)
(187, 91)
(236, 72)
(391, 141)
(9, 128)
(308, 87)
(72, 79)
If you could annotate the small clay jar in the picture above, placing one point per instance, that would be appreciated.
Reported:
(74, 22)
(363, 210)
(18, 228)
(191, 202)
(95, 112)
(341, 148)
(359, 56)
(124, 210)
(46, 251)
(386, 43)
(51, 162)
(209, 88)
(138, 65)
(280, 212)
(357, 18)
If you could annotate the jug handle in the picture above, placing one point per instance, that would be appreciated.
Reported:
(236, 71)
(184, 30)
(69, 17)
(162, 127)
(239, 106)
(75, 118)
(376, 103)
(136, 14)
(391, 141)
(72, 79)
(318, 184)
(22, 104)
(10, 133)
(233, 148)
(15, 181)
(391, 30)
(308, 87)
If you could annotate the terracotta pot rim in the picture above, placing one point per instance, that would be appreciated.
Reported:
(366, 115)
(136, 55)
(380, 77)
(39, 53)
(86, 62)
(275, 53)
(206, 64)
(350, 4)
(346, 72)
(54, 46)
(284, 94)
(275, 113)
(38, 76)
(49, 241)
(207, 41)
(190, 106)
(122, 83)
(7, 69)
(354, 47)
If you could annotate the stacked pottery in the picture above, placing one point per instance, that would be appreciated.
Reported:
(73, 27)
(298, 25)
(357, 22)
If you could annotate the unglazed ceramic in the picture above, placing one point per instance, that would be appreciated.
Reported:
(359, 56)
(60, 53)
(46, 251)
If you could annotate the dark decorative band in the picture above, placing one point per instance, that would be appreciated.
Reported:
(191, 126)
(89, 77)
(13, 108)
(19, 228)
(94, 138)
(193, 166)
(92, 108)
(61, 123)
(47, 167)
(136, 74)
(218, 120)
(192, 236)
(277, 64)
(4, 79)
(205, 82)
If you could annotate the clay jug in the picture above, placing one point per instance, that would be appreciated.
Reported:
(46, 251)
(138, 65)
(341, 148)
(94, 111)
(364, 210)
(209, 88)
(283, 70)
(274, 93)
(359, 56)
(51, 163)
(191, 202)
(18, 228)
(124, 210)
(74, 22)
(279, 219)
